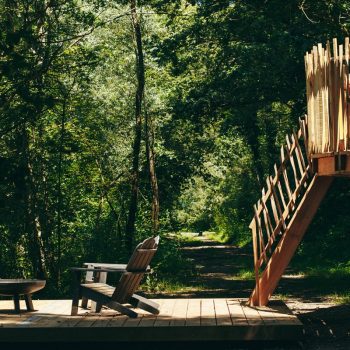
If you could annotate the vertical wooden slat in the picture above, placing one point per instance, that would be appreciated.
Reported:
(319, 94)
(267, 220)
(340, 94)
(276, 202)
(272, 202)
(291, 159)
(346, 95)
(326, 101)
(279, 187)
(345, 75)
(285, 176)
(304, 132)
(261, 236)
(299, 154)
(330, 82)
(348, 109)
(253, 227)
(309, 95)
(335, 86)
(316, 89)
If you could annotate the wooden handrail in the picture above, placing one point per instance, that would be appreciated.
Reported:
(279, 200)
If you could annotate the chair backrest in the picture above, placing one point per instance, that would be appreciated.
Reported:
(135, 269)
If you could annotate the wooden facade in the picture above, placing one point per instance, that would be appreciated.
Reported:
(328, 98)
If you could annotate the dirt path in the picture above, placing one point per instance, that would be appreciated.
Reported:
(327, 325)
(217, 266)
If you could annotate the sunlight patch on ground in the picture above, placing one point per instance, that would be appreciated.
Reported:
(294, 276)
(166, 286)
(340, 298)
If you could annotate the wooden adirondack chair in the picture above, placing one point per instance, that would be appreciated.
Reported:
(116, 297)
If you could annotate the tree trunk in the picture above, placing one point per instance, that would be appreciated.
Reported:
(37, 255)
(59, 194)
(140, 72)
(152, 172)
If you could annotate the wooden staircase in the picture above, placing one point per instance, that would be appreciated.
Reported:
(283, 213)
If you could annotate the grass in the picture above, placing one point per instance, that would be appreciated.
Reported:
(218, 237)
(244, 275)
(188, 238)
(281, 296)
(193, 238)
(169, 286)
(341, 299)
(335, 272)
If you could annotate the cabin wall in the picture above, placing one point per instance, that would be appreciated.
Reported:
(328, 99)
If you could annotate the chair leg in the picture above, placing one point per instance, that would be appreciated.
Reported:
(29, 302)
(98, 307)
(144, 304)
(89, 278)
(75, 305)
(16, 303)
(84, 302)
(122, 309)
(98, 277)
(76, 293)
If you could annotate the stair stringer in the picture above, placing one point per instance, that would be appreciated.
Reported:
(290, 240)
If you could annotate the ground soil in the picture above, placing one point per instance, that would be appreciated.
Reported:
(327, 324)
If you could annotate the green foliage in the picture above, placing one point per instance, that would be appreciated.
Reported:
(323, 245)
(224, 84)
(171, 268)
(169, 259)
(220, 197)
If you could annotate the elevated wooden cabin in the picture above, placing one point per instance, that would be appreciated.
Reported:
(328, 107)
(309, 161)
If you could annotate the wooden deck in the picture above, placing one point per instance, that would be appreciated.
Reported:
(179, 320)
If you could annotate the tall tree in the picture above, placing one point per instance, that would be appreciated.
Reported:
(150, 153)
(135, 175)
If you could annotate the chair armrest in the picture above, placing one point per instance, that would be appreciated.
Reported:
(118, 267)
(107, 266)
(87, 269)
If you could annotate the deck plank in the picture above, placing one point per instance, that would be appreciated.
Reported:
(193, 316)
(117, 321)
(165, 314)
(251, 313)
(180, 312)
(237, 314)
(204, 319)
(149, 320)
(46, 316)
(222, 313)
(133, 322)
(282, 314)
(267, 314)
(208, 312)
(29, 318)
(87, 321)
